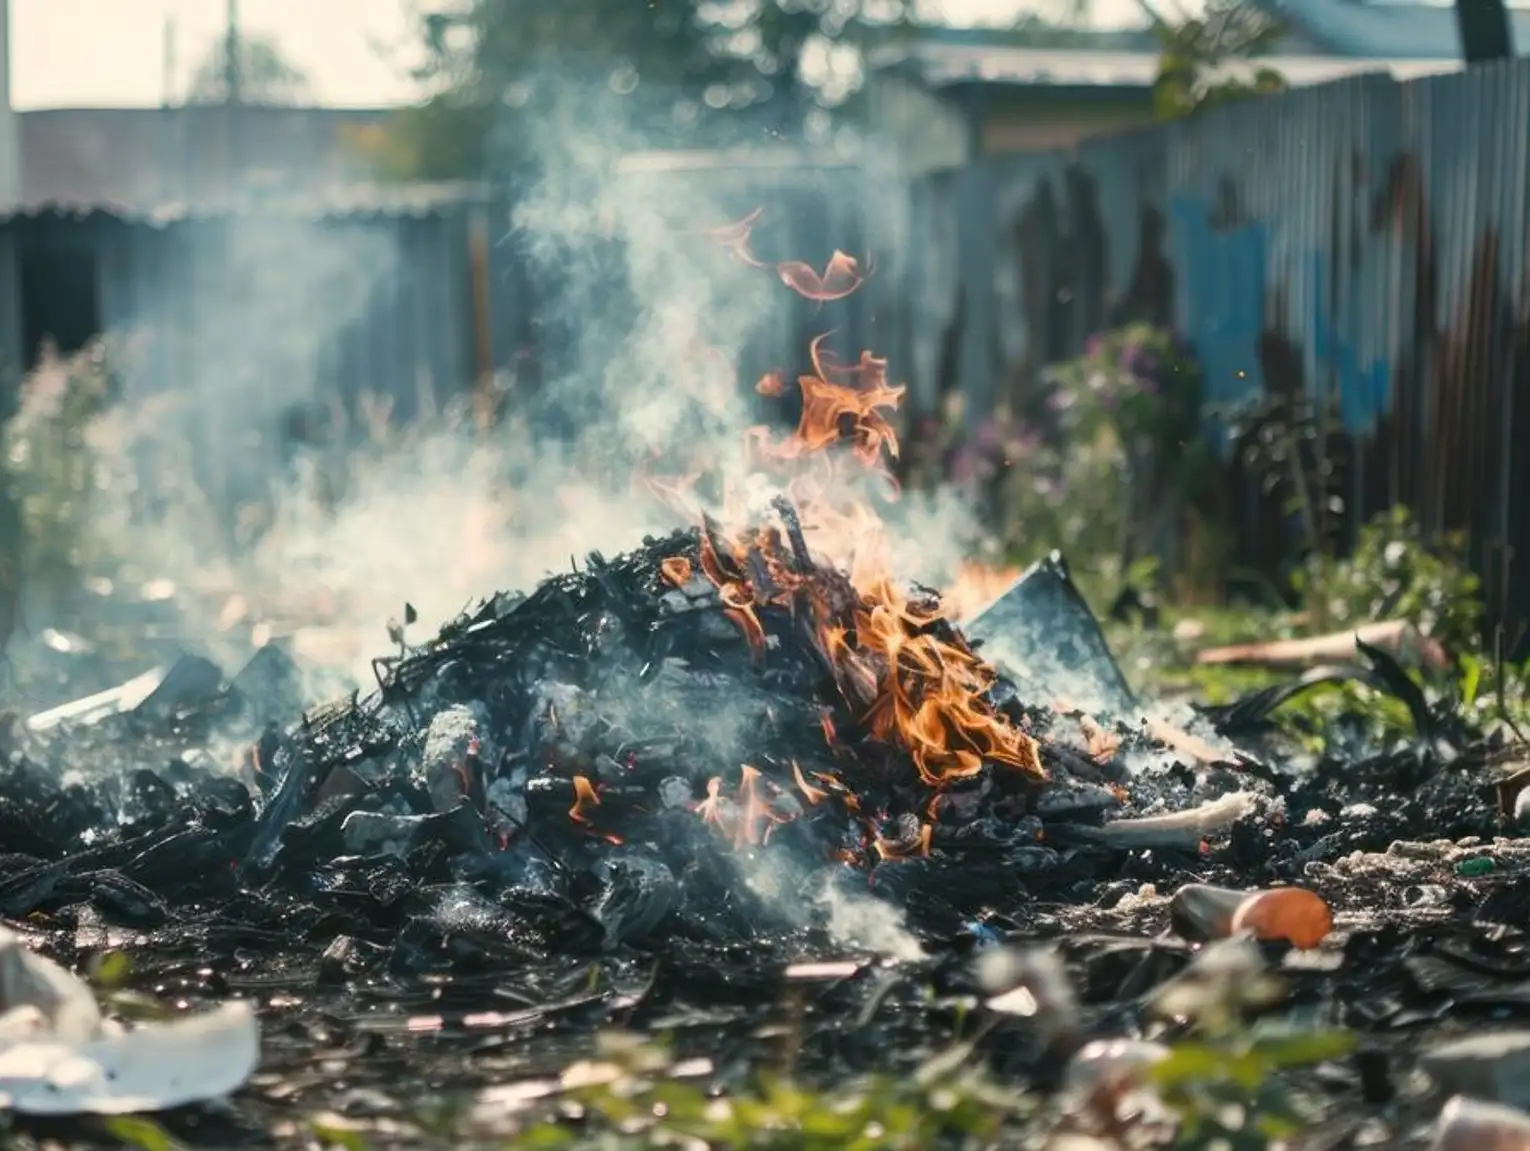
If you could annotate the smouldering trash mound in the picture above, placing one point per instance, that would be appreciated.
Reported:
(540, 826)
(741, 788)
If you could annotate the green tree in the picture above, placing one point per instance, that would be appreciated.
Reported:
(681, 68)
(1213, 59)
(266, 76)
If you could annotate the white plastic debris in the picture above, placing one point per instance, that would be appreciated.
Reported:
(38, 997)
(1492, 1067)
(58, 1056)
(1182, 829)
(1472, 1125)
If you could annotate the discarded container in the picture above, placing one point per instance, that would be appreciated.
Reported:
(1201, 912)
(1042, 633)
(1493, 1066)
(1472, 1125)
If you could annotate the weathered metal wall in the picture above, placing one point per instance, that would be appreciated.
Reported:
(1364, 241)
(250, 313)
(366, 301)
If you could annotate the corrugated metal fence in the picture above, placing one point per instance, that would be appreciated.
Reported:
(1364, 241)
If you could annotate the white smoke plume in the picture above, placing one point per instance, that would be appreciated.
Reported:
(654, 325)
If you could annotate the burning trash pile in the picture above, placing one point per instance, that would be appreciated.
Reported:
(662, 788)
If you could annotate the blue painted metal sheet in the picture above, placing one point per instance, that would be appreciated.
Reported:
(1362, 243)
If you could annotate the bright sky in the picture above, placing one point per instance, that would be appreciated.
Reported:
(109, 53)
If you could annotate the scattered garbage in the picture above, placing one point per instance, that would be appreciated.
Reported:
(622, 797)
(1293, 915)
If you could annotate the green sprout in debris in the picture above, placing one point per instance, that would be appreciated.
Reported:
(1224, 1080)
(1229, 1089)
(639, 1094)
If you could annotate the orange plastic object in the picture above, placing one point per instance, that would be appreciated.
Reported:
(1300, 917)
(1200, 912)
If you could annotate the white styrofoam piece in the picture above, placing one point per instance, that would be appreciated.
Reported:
(58, 1056)
(65, 1001)
(153, 1067)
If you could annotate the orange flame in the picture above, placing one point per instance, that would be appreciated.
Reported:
(904, 673)
(814, 795)
(840, 278)
(889, 849)
(584, 799)
(749, 817)
(677, 570)
(974, 588)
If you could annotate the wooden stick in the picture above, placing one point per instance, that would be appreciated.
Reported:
(1399, 637)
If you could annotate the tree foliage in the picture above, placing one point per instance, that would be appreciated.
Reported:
(682, 69)
(266, 76)
(1214, 59)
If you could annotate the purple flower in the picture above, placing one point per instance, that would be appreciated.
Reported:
(1095, 344)
(1134, 357)
(989, 437)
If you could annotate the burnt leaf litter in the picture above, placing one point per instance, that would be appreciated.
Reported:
(441, 894)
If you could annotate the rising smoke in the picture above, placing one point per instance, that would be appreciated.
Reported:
(651, 338)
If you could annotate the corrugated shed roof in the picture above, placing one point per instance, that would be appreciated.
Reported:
(943, 66)
(349, 202)
(1397, 30)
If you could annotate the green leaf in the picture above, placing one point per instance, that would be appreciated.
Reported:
(545, 1135)
(1471, 679)
(1188, 1063)
(145, 1134)
(333, 1134)
(1303, 1049)
(110, 970)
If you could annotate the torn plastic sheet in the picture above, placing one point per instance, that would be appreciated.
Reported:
(190, 676)
(58, 1056)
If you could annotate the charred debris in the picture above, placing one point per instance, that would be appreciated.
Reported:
(612, 799)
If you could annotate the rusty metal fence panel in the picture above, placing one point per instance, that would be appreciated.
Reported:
(1363, 243)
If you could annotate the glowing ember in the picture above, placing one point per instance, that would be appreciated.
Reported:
(841, 276)
(814, 795)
